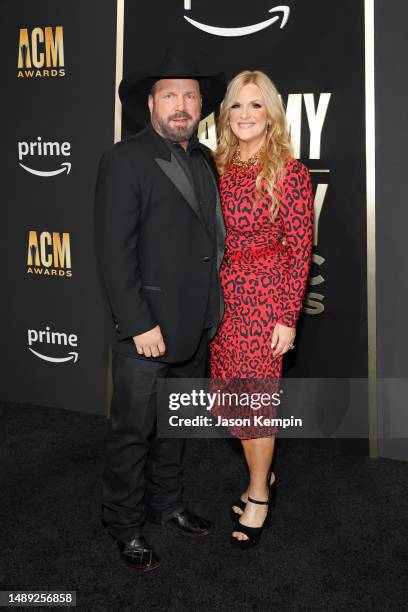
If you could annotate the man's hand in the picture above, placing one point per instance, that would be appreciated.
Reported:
(151, 343)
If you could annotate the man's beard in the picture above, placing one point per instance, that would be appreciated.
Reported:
(179, 133)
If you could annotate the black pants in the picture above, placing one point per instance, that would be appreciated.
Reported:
(143, 473)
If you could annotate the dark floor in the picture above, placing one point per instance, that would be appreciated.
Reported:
(339, 541)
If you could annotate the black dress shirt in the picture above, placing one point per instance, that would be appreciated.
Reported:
(194, 166)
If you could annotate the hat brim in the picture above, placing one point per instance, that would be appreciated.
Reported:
(135, 89)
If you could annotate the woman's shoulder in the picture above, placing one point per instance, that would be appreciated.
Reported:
(295, 166)
(296, 175)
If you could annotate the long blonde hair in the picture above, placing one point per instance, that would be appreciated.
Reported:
(278, 147)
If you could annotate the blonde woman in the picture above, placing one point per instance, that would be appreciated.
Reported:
(267, 202)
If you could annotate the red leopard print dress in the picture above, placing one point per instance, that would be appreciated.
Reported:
(263, 275)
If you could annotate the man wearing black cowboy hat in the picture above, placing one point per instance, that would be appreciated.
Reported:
(159, 239)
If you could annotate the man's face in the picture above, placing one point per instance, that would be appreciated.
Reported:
(175, 108)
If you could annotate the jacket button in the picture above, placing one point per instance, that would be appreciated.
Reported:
(206, 259)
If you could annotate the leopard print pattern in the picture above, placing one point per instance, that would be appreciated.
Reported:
(263, 274)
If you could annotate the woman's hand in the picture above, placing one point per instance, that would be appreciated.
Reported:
(282, 339)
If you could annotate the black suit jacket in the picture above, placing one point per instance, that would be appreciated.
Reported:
(157, 256)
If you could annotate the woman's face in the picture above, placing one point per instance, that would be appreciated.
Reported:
(248, 116)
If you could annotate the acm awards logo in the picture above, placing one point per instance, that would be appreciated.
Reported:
(41, 52)
(282, 13)
(47, 341)
(49, 254)
(43, 149)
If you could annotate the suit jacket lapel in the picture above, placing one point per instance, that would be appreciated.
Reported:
(219, 219)
(176, 174)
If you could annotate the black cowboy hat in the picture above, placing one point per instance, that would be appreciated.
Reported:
(134, 89)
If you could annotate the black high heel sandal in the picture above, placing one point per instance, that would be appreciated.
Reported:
(241, 504)
(253, 533)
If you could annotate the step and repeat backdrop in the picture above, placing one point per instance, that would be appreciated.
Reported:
(58, 71)
(58, 103)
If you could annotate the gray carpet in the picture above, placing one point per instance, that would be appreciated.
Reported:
(339, 540)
